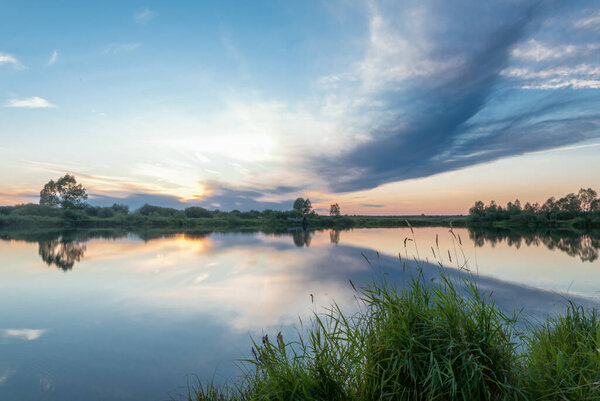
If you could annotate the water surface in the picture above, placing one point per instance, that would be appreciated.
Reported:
(100, 315)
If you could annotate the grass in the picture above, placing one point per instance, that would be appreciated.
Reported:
(441, 340)
(564, 357)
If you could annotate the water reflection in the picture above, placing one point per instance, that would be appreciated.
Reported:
(61, 253)
(585, 246)
(139, 311)
(302, 237)
(64, 249)
(334, 236)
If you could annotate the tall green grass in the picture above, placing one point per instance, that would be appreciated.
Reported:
(563, 359)
(440, 340)
(430, 341)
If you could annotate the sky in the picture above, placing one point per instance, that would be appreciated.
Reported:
(383, 107)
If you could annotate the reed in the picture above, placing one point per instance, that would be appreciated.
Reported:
(431, 339)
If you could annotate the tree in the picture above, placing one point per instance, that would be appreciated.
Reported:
(334, 210)
(303, 206)
(48, 196)
(587, 199)
(64, 192)
(569, 203)
(197, 212)
(478, 209)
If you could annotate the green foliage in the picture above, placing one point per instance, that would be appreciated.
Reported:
(157, 211)
(49, 194)
(438, 342)
(197, 212)
(6, 210)
(302, 206)
(31, 209)
(563, 358)
(428, 342)
(64, 192)
(585, 204)
(120, 209)
(334, 210)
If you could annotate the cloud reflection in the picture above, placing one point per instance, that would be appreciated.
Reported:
(23, 334)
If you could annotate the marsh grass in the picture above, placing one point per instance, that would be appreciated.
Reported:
(563, 360)
(431, 339)
(428, 342)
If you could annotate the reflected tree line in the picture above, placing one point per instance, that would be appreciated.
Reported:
(63, 249)
(585, 246)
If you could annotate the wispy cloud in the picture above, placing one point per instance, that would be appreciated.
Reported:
(24, 334)
(9, 59)
(588, 22)
(538, 51)
(115, 48)
(144, 16)
(34, 102)
(53, 58)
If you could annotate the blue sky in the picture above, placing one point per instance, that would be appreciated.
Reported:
(384, 107)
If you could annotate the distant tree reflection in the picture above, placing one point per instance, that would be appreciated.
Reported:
(60, 253)
(585, 246)
(301, 238)
(334, 236)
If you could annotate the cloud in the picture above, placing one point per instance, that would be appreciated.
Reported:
(115, 48)
(6, 59)
(437, 95)
(535, 50)
(53, 58)
(144, 16)
(34, 102)
(588, 22)
(223, 198)
(371, 205)
(24, 334)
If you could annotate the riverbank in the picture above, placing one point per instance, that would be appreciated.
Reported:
(270, 222)
(441, 339)
(66, 220)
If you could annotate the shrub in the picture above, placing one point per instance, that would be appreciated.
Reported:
(106, 212)
(563, 357)
(6, 210)
(438, 342)
(32, 209)
(197, 212)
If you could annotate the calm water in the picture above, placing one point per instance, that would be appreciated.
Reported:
(134, 318)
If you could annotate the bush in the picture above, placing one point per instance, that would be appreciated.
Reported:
(563, 360)
(434, 342)
(106, 212)
(6, 210)
(74, 214)
(149, 210)
(197, 212)
(32, 209)
(120, 209)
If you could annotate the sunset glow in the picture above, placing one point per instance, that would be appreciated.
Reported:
(383, 108)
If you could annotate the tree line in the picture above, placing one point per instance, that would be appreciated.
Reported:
(585, 205)
(66, 198)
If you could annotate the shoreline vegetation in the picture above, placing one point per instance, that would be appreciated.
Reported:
(63, 205)
(439, 339)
